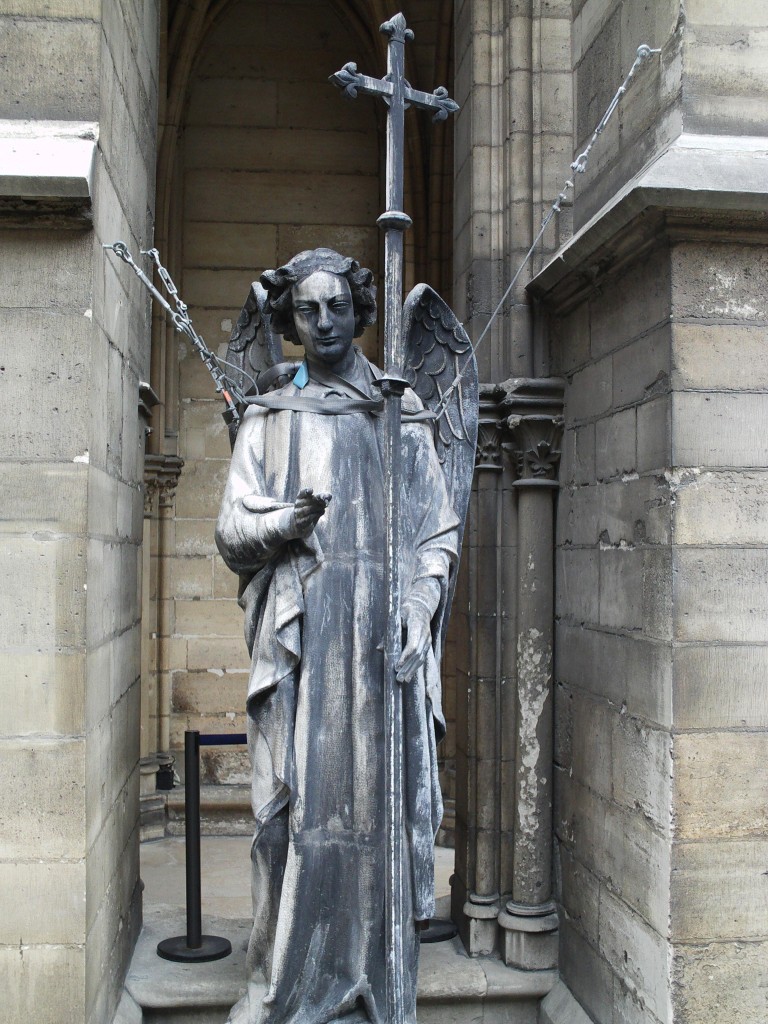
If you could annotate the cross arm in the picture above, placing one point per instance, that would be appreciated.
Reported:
(350, 81)
(439, 101)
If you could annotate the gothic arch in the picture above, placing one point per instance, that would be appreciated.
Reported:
(429, 170)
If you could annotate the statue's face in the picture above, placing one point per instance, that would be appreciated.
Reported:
(324, 317)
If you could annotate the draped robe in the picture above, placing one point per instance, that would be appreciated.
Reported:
(315, 620)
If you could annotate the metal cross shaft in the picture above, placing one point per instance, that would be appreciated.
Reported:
(398, 95)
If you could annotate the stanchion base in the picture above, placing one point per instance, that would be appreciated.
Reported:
(212, 947)
(438, 930)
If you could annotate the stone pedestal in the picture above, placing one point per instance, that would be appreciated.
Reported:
(530, 936)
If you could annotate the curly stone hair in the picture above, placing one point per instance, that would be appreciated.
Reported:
(278, 284)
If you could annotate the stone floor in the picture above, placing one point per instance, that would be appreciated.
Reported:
(453, 989)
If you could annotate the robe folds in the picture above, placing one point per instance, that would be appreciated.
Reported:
(315, 621)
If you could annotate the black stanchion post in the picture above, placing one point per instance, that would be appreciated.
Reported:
(194, 946)
(192, 838)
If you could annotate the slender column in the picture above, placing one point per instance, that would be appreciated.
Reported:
(529, 921)
(476, 891)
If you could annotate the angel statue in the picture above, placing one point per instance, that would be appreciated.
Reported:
(302, 523)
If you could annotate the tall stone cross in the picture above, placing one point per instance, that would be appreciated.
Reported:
(398, 95)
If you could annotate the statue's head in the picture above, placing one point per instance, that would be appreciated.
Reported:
(281, 285)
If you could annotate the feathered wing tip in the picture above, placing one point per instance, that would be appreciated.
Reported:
(253, 347)
(438, 355)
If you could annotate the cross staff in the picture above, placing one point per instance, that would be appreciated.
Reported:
(398, 95)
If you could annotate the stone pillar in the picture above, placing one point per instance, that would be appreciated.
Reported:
(161, 474)
(529, 919)
(475, 892)
(512, 143)
(502, 888)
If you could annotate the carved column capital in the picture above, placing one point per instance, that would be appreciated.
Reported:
(535, 445)
(161, 476)
(533, 428)
(488, 455)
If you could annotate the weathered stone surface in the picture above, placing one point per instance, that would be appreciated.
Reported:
(41, 79)
(720, 686)
(642, 368)
(591, 391)
(191, 577)
(50, 612)
(620, 848)
(654, 433)
(254, 195)
(212, 692)
(560, 1007)
(41, 797)
(592, 757)
(719, 357)
(621, 513)
(217, 653)
(719, 890)
(632, 305)
(719, 280)
(208, 618)
(48, 907)
(621, 588)
(580, 895)
(628, 671)
(721, 981)
(38, 980)
(46, 693)
(721, 781)
(721, 594)
(616, 444)
(721, 508)
(641, 769)
(586, 974)
(194, 537)
(636, 953)
(734, 434)
(199, 490)
(578, 584)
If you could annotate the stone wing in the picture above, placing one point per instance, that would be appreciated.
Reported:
(255, 362)
(437, 351)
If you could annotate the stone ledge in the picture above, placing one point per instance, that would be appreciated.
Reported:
(205, 992)
(713, 180)
(46, 173)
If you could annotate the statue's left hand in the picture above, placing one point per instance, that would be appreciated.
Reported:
(418, 640)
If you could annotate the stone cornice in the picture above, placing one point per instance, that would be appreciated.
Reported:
(699, 183)
(46, 173)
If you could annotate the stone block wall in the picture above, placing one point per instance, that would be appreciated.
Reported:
(76, 332)
(718, 412)
(661, 726)
(613, 673)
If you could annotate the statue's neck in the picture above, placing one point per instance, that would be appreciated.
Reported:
(349, 368)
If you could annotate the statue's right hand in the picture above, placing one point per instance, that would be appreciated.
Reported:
(307, 511)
